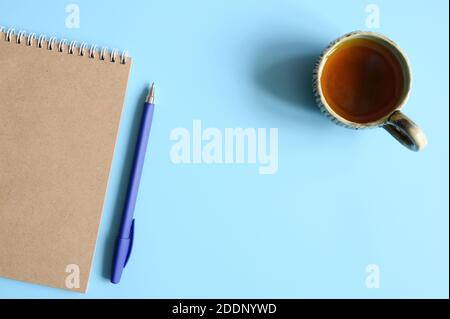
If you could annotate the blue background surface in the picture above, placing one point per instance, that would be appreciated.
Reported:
(340, 200)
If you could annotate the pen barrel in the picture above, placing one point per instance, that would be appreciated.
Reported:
(136, 172)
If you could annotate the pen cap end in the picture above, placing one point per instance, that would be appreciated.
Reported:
(120, 259)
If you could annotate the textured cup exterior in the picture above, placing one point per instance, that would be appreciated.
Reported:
(320, 99)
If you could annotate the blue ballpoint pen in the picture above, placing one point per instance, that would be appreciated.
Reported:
(124, 243)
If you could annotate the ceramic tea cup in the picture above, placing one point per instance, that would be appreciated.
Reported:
(363, 80)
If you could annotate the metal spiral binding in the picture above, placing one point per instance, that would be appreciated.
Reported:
(63, 46)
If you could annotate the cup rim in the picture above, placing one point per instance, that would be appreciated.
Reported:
(332, 47)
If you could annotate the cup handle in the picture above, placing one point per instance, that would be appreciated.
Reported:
(406, 131)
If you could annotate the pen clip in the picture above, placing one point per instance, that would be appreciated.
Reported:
(130, 247)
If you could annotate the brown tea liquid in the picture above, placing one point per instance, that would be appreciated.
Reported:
(362, 81)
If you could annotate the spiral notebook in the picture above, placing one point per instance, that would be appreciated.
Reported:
(60, 108)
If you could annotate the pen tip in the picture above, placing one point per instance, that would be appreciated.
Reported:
(151, 94)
